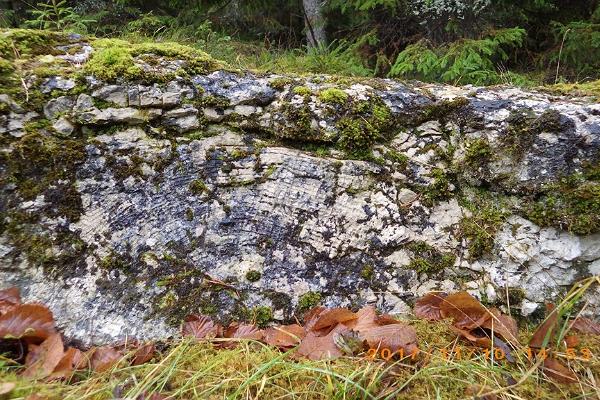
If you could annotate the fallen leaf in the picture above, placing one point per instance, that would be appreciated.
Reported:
(585, 325)
(502, 325)
(9, 298)
(312, 316)
(386, 319)
(7, 387)
(393, 337)
(571, 341)
(556, 371)
(428, 306)
(42, 359)
(366, 318)
(331, 317)
(483, 341)
(67, 365)
(31, 321)
(545, 333)
(143, 354)
(104, 358)
(466, 311)
(201, 327)
(241, 331)
(316, 347)
(284, 336)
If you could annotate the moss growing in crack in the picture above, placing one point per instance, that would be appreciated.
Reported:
(428, 259)
(524, 127)
(189, 214)
(572, 204)
(366, 123)
(478, 153)
(333, 96)
(261, 316)
(213, 102)
(439, 189)
(302, 91)
(197, 186)
(479, 230)
(397, 158)
(367, 272)
(308, 300)
(253, 275)
(114, 261)
(280, 83)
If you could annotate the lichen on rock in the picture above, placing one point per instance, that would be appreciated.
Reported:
(144, 182)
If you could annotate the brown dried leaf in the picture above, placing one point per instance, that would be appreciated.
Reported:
(480, 341)
(32, 321)
(546, 331)
(143, 354)
(556, 371)
(9, 298)
(322, 347)
(201, 327)
(65, 368)
(331, 317)
(586, 326)
(244, 331)
(393, 337)
(312, 316)
(284, 336)
(502, 325)
(41, 360)
(366, 318)
(104, 358)
(428, 306)
(466, 311)
(571, 341)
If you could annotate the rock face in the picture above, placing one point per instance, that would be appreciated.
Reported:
(129, 204)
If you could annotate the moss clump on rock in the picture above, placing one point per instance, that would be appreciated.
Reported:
(572, 204)
(308, 300)
(302, 91)
(333, 96)
(198, 186)
(253, 275)
(115, 58)
(363, 125)
(427, 259)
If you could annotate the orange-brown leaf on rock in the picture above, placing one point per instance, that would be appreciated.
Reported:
(556, 371)
(30, 321)
(331, 317)
(9, 298)
(104, 358)
(366, 318)
(201, 327)
(65, 368)
(143, 354)
(466, 311)
(428, 306)
(392, 337)
(284, 336)
(545, 333)
(42, 360)
(312, 316)
(585, 325)
(316, 347)
(503, 325)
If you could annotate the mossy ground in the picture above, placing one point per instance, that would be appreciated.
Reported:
(446, 369)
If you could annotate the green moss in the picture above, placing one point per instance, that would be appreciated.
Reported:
(577, 89)
(189, 214)
(115, 58)
(262, 316)
(478, 152)
(198, 186)
(280, 83)
(253, 275)
(572, 204)
(429, 260)
(440, 111)
(333, 96)
(115, 261)
(238, 154)
(524, 127)
(397, 158)
(213, 102)
(27, 43)
(439, 189)
(302, 91)
(308, 300)
(367, 272)
(6, 67)
(364, 125)
(488, 214)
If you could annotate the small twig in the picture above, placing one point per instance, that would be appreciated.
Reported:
(560, 54)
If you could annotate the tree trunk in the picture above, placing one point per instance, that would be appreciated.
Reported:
(314, 21)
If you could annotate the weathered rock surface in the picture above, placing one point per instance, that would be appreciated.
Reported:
(128, 205)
